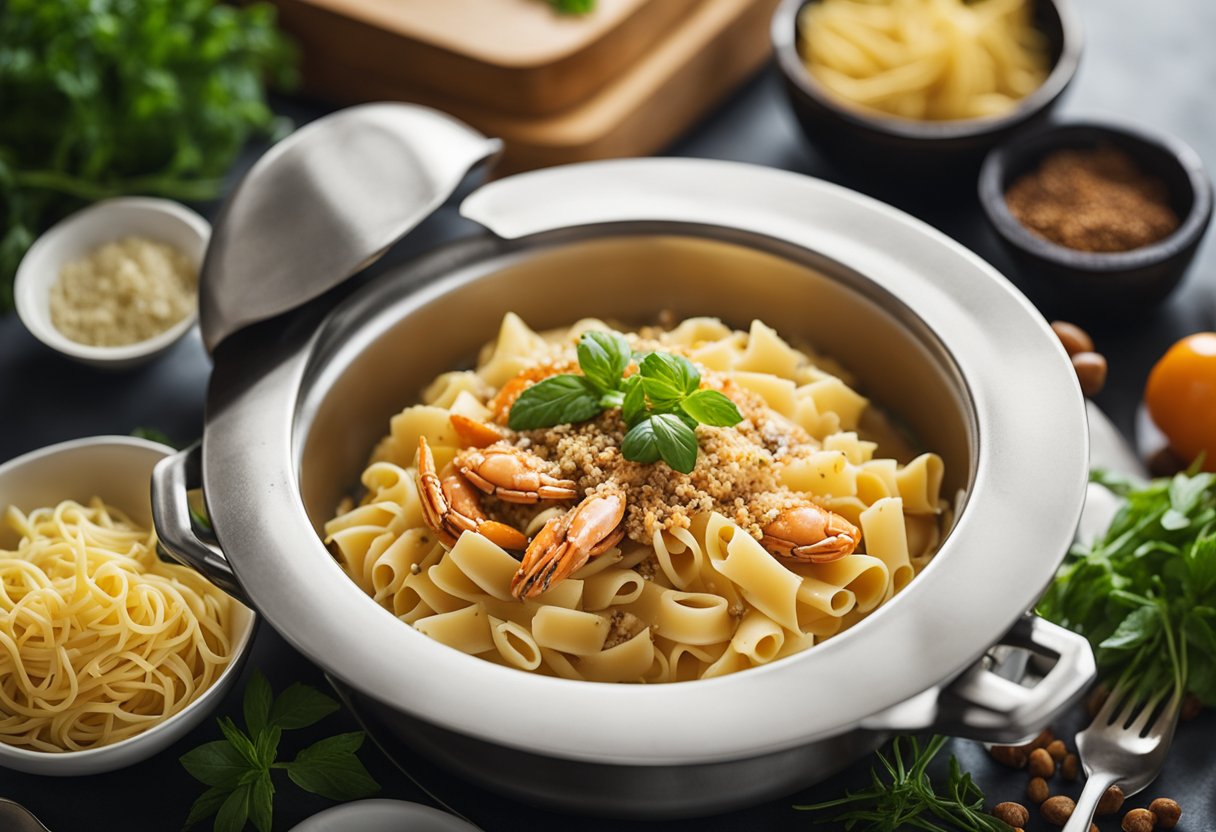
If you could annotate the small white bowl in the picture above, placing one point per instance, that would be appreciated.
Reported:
(119, 470)
(73, 238)
(379, 815)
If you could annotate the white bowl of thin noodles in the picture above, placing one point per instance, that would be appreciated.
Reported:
(117, 470)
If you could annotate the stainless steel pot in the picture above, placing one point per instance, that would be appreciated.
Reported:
(933, 334)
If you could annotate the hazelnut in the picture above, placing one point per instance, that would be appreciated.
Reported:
(1013, 756)
(1091, 372)
(1057, 810)
(1073, 338)
(1014, 814)
(1057, 750)
(1040, 763)
(1070, 767)
(1037, 791)
(1111, 802)
(1191, 706)
(1139, 820)
(1167, 812)
(1041, 741)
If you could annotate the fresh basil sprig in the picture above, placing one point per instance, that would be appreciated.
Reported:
(238, 768)
(662, 403)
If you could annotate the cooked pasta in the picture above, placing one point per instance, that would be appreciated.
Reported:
(925, 59)
(99, 640)
(694, 585)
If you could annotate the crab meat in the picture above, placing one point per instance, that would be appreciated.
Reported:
(810, 533)
(512, 475)
(565, 543)
(451, 506)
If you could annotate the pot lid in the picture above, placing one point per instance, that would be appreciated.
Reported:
(326, 202)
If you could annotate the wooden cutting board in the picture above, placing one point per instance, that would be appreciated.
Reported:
(714, 47)
(516, 56)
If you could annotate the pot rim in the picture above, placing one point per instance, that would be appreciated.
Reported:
(949, 616)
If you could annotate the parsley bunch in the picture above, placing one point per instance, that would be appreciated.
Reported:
(110, 97)
(238, 768)
(662, 403)
(907, 799)
(1144, 593)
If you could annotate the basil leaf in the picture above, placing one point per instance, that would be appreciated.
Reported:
(234, 811)
(1137, 627)
(238, 740)
(256, 706)
(603, 357)
(216, 764)
(261, 803)
(640, 443)
(300, 706)
(557, 400)
(267, 745)
(633, 407)
(673, 371)
(676, 441)
(709, 407)
(331, 769)
(208, 803)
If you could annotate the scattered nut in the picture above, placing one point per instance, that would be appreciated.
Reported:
(1139, 820)
(1041, 741)
(1057, 810)
(1057, 750)
(1040, 763)
(1096, 699)
(1111, 802)
(1191, 706)
(1070, 767)
(1091, 372)
(1037, 790)
(1167, 812)
(1014, 814)
(1073, 338)
(1013, 756)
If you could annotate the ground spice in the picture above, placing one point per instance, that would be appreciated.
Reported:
(1093, 200)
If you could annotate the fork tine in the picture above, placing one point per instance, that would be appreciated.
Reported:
(1150, 706)
(1115, 698)
(1169, 713)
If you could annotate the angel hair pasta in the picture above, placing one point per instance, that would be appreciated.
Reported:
(796, 521)
(99, 640)
(925, 59)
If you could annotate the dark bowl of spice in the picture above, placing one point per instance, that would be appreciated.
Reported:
(1101, 219)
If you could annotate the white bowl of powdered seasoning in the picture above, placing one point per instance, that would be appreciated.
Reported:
(115, 284)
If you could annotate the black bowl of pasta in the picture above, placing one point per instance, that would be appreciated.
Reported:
(917, 98)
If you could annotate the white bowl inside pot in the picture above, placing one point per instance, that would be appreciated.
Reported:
(117, 469)
(933, 335)
(74, 238)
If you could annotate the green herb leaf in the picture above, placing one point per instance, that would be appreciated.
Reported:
(238, 740)
(557, 400)
(1136, 628)
(633, 408)
(261, 803)
(234, 811)
(603, 357)
(207, 804)
(676, 441)
(709, 407)
(331, 769)
(572, 6)
(668, 378)
(256, 705)
(300, 706)
(267, 745)
(640, 443)
(153, 435)
(216, 764)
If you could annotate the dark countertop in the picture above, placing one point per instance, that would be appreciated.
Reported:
(1146, 61)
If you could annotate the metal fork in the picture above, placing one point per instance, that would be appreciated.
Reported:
(1116, 753)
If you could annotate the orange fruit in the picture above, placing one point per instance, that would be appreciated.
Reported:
(1181, 397)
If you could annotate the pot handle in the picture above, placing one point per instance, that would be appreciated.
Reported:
(983, 704)
(179, 536)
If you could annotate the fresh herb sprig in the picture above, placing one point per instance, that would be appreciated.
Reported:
(906, 797)
(238, 768)
(572, 6)
(1144, 593)
(662, 403)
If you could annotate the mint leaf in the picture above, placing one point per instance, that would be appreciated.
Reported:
(557, 400)
(258, 698)
(603, 357)
(331, 769)
(633, 407)
(676, 441)
(300, 706)
(1137, 627)
(216, 764)
(267, 745)
(665, 371)
(709, 407)
(261, 803)
(640, 443)
(208, 803)
(234, 811)
(238, 740)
